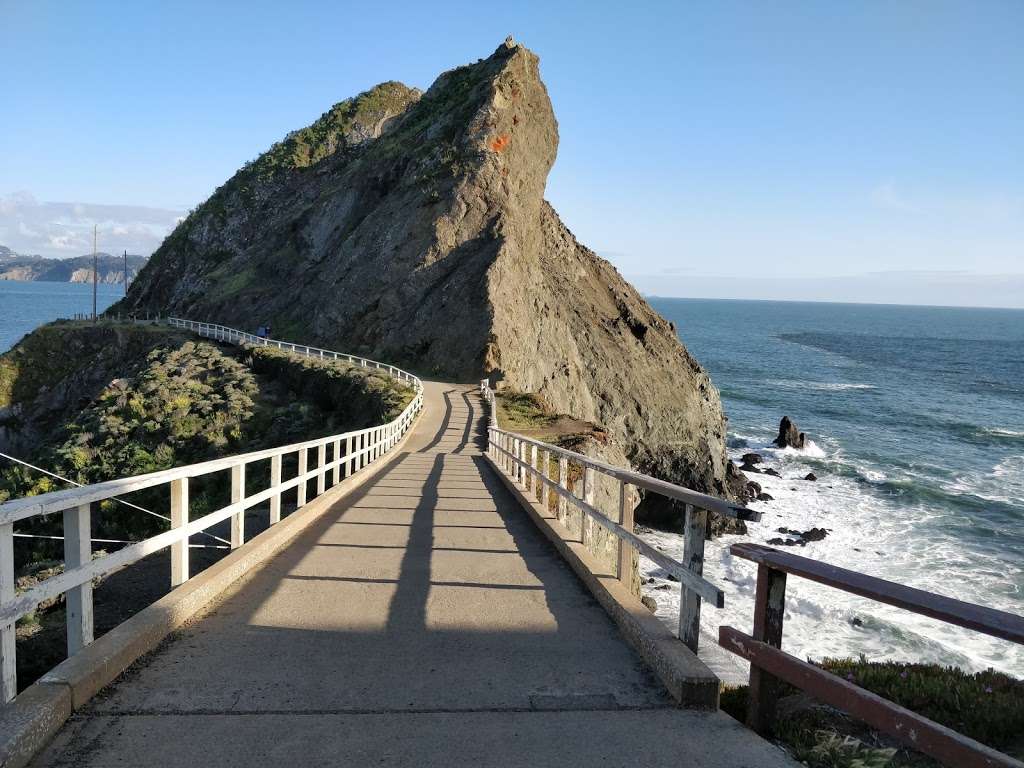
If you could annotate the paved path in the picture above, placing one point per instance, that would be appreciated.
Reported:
(422, 621)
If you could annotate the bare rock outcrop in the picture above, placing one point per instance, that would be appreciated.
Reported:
(412, 227)
(789, 435)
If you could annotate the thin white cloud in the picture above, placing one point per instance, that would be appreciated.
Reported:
(56, 229)
(991, 208)
(886, 196)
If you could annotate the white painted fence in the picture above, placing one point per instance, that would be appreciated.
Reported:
(336, 455)
(528, 462)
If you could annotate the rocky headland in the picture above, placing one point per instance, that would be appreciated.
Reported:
(78, 269)
(412, 226)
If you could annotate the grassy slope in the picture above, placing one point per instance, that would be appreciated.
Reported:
(986, 706)
(181, 401)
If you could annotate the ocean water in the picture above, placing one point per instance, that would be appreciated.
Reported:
(916, 422)
(25, 306)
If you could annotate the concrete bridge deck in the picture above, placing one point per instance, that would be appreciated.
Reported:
(422, 620)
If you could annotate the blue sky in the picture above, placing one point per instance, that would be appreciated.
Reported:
(844, 151)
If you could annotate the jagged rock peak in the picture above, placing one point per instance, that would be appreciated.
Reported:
(413, 228)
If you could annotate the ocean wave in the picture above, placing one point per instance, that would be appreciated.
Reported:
(824, 386)
(811, 449)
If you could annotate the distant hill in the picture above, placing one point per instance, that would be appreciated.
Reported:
(78, 269)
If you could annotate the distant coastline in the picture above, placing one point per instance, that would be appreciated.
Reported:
(78, 269)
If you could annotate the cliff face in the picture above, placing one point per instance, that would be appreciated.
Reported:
(413, 227)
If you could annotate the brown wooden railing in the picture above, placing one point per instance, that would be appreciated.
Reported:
(769, 664)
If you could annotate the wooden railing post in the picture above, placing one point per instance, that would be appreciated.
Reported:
(694, 532)
(238, 495)
(624, 569)
(769, 609)
(8, 666)
(179, 519)
(321, 478)
(275, 481)
(78, 552)
(300, 498)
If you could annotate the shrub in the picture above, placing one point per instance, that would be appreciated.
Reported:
(986, 706)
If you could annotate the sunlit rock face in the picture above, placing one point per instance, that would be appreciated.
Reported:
(412, 227)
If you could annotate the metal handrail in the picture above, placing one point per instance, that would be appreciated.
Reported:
(362, 447)
(516, 456)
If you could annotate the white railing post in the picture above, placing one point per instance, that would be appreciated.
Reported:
(8, 666)
(336, 477)
(179, 519)
(545, 474)
(349, 460)
(586, 524)
(237, 496)
(563, 483)
(275, 481)
(321, 477)
(625, 565)
(78, 552)
(693, 558)
(300, 499)
(536, 470)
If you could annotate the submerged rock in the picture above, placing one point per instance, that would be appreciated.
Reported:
(803, 537)
(810, 476)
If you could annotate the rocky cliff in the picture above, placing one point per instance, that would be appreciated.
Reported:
(413, 227)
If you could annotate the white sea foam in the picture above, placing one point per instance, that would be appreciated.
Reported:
(824, 386)
(865, 535)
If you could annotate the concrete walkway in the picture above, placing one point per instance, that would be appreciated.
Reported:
(422, 621)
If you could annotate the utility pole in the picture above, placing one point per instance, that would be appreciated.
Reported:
(126, 273)
(95, 272)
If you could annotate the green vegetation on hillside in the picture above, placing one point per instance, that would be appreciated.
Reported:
(183, 402)
(986, 706)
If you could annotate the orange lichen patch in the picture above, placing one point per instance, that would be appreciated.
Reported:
(501, 143)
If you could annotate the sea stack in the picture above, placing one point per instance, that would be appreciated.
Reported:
(412, 227)
(789, 435)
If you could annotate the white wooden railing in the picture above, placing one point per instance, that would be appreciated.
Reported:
(337, 455)
(528, 461)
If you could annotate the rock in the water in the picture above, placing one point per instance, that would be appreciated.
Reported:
(752, 458)
(765, 497)
(810, 476)
(789, 435)
(412, 227)
(772, 472)
(750, 468)
(753, 489)
(812, 534)
(650, 603)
